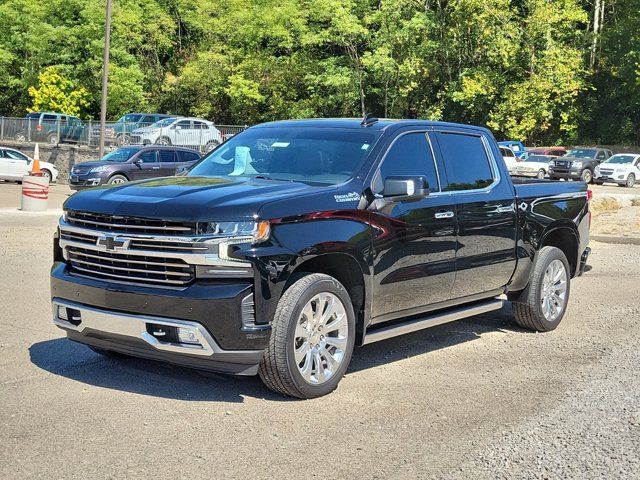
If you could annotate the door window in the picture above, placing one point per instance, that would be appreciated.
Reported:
(49, 118)
(188, 156)
(601, 155)
(14, 155)
(148, 119)
(199, 125)
(183, 125)
(148, 157)
(410, 155)
(167, 156)
(466, 161)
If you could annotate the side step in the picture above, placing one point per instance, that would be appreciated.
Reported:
(431, 321)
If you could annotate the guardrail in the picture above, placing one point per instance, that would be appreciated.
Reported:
(117, 134)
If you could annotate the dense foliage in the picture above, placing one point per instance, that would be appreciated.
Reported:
(544, 71)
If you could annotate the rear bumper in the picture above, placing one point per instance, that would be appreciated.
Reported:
(119, 313)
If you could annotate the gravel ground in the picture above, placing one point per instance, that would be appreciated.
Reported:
(478, 398)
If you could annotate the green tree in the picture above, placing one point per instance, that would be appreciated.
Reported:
(57, 93)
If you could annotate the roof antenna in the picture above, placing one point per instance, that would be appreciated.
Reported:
(368, 120)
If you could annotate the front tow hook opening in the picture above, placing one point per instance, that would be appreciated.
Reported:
(70, 315)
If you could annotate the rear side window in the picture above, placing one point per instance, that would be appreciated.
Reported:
(466, 161)
(183, 125)
(200, 126)
(148, 119)
(188, 156)
(148, 157)
(167, 156)
(49, 118)
(411, 155)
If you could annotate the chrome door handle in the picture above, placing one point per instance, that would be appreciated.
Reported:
(507, 209)
(448, 214)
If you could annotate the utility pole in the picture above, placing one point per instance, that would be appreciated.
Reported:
(105, 76)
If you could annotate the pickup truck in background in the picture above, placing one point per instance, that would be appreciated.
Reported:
(294, 241)
(579, 163)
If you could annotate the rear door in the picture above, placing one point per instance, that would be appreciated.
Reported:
(167, 160)
(183, 133)
(414, 249)
(486, 212)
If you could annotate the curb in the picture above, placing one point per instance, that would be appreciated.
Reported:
(616, 240)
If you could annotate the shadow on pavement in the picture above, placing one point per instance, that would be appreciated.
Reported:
(145, 377)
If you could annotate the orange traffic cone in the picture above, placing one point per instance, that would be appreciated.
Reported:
(35, 169)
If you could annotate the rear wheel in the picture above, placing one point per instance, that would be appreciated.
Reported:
(21, 137)
(543, 303)
(312, 338)
(586, 176)
(46, 174)
(211, 145)
(631, 181)
(53, 139)
(163, 141)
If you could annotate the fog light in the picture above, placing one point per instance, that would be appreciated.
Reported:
(187, 335)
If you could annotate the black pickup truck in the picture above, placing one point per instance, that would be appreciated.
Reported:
(294, 241)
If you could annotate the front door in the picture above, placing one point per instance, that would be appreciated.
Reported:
(17, 164)
(147, 166)
(414, 247)
(486, 212)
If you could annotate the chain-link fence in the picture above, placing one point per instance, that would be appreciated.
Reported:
(53, 129)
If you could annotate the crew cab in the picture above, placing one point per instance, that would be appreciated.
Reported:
(294, 241)
(578, 164)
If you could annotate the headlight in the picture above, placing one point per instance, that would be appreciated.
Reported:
(577, 164)
(552, 163)
(597, 169)
(102, 168)
(247, 231)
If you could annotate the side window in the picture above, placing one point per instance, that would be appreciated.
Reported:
(49, 118)
(148, 119)
(183, 125)
(601, 155)
(410, 154)
(14, 155)
(149, 156)
(199, 125)
(167, 155)
(466, 161)
(188, 156)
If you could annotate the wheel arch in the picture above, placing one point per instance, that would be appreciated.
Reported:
(566, 239)
(122, 174)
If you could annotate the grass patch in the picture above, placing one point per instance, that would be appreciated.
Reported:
(605, 205)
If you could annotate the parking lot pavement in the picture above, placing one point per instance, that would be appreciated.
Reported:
(475, 399)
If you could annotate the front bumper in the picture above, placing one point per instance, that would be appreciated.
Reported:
(87, 180)
(564, 173)
(117, 315)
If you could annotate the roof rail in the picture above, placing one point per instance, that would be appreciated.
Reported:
(368, 120)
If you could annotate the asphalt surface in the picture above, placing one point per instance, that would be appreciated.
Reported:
(479, 398)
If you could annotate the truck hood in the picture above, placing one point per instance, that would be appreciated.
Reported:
(208, 199)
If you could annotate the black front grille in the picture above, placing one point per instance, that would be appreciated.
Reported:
(118, 224)
(606, 172)
(130, 268)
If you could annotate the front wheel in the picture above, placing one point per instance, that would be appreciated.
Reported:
(631, 181)
(117, 180)
(210, 146)
(586, 176)
(543, 303)
(312, 338)
(123, 140)
(541, 174)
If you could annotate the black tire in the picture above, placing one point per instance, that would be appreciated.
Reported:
(53, 139)
(210, 146)
(163, 141)
(46, 173)
(631, 181)
(122, 140)
(117, 179)
(278, 369)
(527, 308)
(21, 137)
(108, 353)
(586, 176)
(541, 174)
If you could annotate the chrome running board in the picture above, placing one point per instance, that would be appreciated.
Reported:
(431, 321)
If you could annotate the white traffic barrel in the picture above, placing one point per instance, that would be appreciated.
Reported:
(35, 193)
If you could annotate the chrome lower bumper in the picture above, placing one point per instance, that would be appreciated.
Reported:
(93, 322)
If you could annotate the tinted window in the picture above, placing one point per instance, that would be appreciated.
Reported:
(601, 155)
(148, 157)
(188, 156)
(506, 152)
(466, 161)
(33, 115)
(184, 124)
(49, 118)
(167, 156)
(200, 125)
(411, 155)
(148, 119)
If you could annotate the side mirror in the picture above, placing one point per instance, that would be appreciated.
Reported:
(182, 171)
(405, 189)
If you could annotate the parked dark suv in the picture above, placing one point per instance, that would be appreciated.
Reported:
(578, 164)
(50, 127)
(131, 163)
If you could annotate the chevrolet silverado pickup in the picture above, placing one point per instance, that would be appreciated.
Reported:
(294, 241)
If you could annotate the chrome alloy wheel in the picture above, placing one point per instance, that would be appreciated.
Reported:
(320, 339)
(554, 290)
(117, 181)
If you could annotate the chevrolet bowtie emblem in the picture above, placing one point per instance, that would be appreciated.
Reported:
(111, 242)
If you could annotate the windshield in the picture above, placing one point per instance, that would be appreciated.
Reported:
(120, 155)
(313, 155)
(581, 153)
(130, 118)
(620, 159)
(164, 123)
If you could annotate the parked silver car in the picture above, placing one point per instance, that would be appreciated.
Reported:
(184, 132)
